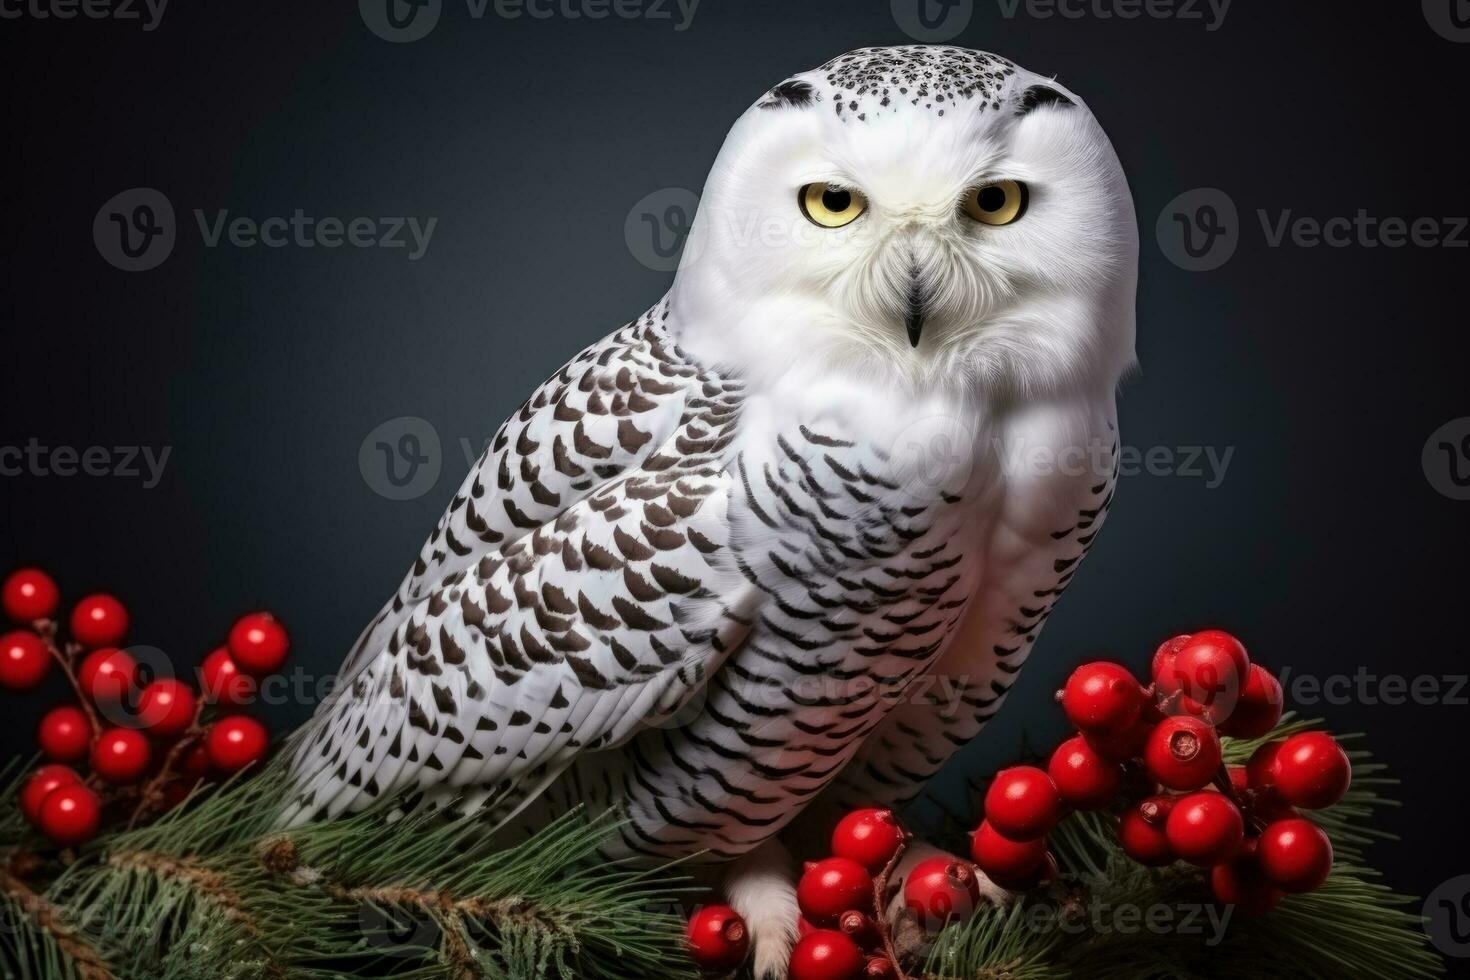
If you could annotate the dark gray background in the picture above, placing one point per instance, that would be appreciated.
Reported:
(1325, 370)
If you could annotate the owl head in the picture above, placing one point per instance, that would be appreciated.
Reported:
(920, 216)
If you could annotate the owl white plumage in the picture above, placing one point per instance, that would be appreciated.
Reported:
(781, 543)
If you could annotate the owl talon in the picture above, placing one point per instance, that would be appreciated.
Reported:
(761, 887)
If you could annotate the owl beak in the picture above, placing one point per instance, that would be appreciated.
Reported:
(914, 316)
(915, 322)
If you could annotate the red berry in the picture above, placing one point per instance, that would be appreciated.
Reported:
(175, 792)
(717, 938)
(235, 742)
(40, 785)
(1120, 746)
(825, 954)
(1162, 669)
(870, 837)
(803, 927)
(222, 682)
(860, 926)
(1046, 873)
(70, 815)
(1295, 854)
(1258, 709)
(1205, 828)
(1260, 771)
(1002, 859)
(196, 760)
(1239, 780)
(1241, 882)
(941, 889)
(121, 755)
(23, 660)
(99, 621)
(259, 644)
(879, 968)
(107, 675)
(29, 594)
(1083, 778)
(1022, 803)
(832, 886)
(166, 707)
(65, 734)
(1141, 832)
(1102, 697)
(1210, 667)
(1312, 770)
(1182, 753)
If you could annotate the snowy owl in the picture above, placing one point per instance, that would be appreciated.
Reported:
(781, 544)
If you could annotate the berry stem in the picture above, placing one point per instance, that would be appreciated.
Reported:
(880, 890)
(46, 629)
(153, 791)
(1223, 784)
(1253, 824)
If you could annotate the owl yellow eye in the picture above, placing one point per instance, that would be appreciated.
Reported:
(999, 203)
(831, 207)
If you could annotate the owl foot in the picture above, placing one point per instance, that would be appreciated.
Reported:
(761, 887)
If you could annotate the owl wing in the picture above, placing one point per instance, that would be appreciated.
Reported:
(1045, 527)
(603, 413)
(505, 662)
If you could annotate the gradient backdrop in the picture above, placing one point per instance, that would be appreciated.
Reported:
(1332, 540)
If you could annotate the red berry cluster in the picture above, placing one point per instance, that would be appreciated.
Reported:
(841, 935)
(841, 931)
(1239, 822)
(161, 749)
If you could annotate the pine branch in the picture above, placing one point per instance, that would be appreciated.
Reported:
(37, 939)
(212, 889)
